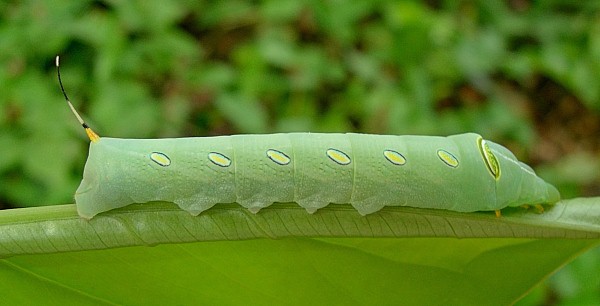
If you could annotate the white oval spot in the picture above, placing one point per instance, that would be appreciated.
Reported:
(490, 159)
(160, 158)
(338, 156)
(278, 157)
(394, 157)
(448, 158)
(219, 159)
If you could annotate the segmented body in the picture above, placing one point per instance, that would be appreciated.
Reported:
(461, 172)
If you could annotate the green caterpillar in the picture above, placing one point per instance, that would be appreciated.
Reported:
(462, 173)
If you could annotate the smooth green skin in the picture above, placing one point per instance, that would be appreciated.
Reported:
(120, 172)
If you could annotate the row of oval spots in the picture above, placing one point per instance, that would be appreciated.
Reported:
(283, 159)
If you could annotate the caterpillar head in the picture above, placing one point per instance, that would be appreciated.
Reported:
(516, 183)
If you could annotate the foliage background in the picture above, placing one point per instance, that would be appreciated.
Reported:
(525, 74)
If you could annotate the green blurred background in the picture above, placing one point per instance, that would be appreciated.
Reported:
(525, 74)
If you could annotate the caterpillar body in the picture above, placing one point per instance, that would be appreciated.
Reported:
(462, 173)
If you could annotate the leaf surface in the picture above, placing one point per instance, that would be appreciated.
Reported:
(332, 257)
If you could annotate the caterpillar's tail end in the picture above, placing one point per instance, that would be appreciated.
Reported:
(92, 135)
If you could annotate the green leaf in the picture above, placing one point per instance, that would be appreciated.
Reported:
(407, 271)
(53, 229)
(350, 259)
